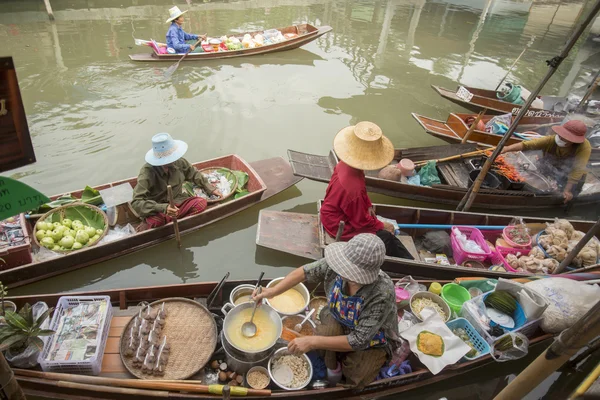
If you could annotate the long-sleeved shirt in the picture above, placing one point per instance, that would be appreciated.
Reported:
(379, 312)
(580, 155)
(176, 38)
(150, 193)
(346, 200)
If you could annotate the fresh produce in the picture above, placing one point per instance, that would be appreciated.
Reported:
(68, 234)
(505, 343)
(502, 301)
(464, 336)
(82, 237)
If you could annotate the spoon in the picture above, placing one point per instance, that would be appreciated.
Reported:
(298, 327)
(249, 328)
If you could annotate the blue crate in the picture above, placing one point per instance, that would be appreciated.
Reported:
(480, 344)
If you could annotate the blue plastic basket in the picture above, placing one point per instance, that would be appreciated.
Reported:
(480, 344)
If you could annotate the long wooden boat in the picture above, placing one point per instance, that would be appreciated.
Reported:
(303, 235)
(454, 129)
(451, 191)
(483, 98)
(306, 33)
(124, 302)
(266, 178)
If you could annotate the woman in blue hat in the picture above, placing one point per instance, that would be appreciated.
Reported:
(165, 166)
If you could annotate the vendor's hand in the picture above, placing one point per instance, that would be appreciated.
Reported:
(203, 37)
(568, 195)
(217, 192)
(372, 212)
(192, 47)
(389, 227)
(172, 211)
(266, 293)
(301, 345)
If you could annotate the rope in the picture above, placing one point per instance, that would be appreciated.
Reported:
(12, 376)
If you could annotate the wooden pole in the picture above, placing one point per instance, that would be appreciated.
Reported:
(553, 64)
(590, 90)
(10, 387)
(580, 245)
(515, 63)
(175, 222)
(473, 125)
(49, 10)
(564, 347)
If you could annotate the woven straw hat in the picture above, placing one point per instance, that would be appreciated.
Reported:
(363, 146)
(174, 13)
(358, 260)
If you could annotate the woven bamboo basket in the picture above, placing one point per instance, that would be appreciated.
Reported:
(61, 211)
(190, 330)
(211, 169)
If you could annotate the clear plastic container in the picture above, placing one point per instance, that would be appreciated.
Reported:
(270, 33)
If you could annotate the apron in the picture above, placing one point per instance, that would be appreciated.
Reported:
(558, 166)
(346, 310)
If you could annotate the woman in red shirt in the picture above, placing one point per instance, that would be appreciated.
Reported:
(360, 147)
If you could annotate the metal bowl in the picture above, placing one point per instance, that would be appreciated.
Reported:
(433, 297)
(299, 287)
(282, 352)
(261, 369)
(241, 290)
(235, 311)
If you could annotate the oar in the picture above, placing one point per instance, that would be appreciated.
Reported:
(174, 67)
(175, 222)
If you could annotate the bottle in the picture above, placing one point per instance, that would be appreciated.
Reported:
(435, 288)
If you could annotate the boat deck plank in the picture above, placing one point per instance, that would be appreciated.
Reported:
(111, 362)
(293, 233)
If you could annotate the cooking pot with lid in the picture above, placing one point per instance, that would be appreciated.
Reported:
(232, 312)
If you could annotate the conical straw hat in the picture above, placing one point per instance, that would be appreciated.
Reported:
(363, 146)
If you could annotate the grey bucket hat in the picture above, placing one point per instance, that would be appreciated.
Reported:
(358, 260)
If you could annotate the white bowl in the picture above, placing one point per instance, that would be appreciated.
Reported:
(435, 298)
(282, 352)
(299, 287)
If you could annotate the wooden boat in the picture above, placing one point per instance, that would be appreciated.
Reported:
(36, 383)
(306, 33)
(454, 184)
(303, 235)
(483, 98)
(455, 128)
(266, 178)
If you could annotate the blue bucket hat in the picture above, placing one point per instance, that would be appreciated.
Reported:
(165, 150)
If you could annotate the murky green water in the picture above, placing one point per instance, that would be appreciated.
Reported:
(92, 112)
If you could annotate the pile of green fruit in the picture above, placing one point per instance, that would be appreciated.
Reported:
(66, 235)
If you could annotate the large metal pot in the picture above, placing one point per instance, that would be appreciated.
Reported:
(299, 287)
(231, 312)
(241, 362)
(241, 290)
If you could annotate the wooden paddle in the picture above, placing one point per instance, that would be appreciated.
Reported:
(175, 222)
(174, 67)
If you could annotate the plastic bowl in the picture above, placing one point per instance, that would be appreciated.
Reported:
(455, 295)
(407, 167)
(282, 352)
(433, 297)
(513, 244)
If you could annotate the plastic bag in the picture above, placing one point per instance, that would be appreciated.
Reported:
(511, 346)
(43, 254)
(118, 232)
(429, 175)
(467, 244)
(499, 124)
(406, 321)
(29, 357)
(437, 242)
(409, 284)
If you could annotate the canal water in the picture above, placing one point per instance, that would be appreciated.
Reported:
(92, 111)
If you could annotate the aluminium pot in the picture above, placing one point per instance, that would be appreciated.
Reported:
(241, 362)
(231, 312)
(299, 287)
(241, 290)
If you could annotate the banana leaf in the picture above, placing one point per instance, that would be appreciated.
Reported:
(91, 196)
(86, 215)
(241, 193)
(88, 196)
(242, 180)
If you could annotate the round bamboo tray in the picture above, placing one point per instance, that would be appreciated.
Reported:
(192, 333)
(234, 186)
(61, 211)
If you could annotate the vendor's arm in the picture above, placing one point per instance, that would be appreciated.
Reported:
(189, 36)
(359, 216)
(513, 147)
(193, 175)
(579, 169)
(141, 194)
(312, 273)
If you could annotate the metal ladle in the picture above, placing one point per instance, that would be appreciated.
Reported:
(249, 328)
(298, 327)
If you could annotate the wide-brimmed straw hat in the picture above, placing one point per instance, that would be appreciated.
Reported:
(574, 131)
(165, 150)
(363, 146)
(174, 13)
(358, 260)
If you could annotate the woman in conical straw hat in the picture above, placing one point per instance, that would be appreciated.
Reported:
(360, 147)
(176, 37)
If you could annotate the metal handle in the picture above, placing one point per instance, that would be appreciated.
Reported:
(225, 307)
(255, 303)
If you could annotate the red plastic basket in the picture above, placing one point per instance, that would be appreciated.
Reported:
(460, 254)
(498, 256)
